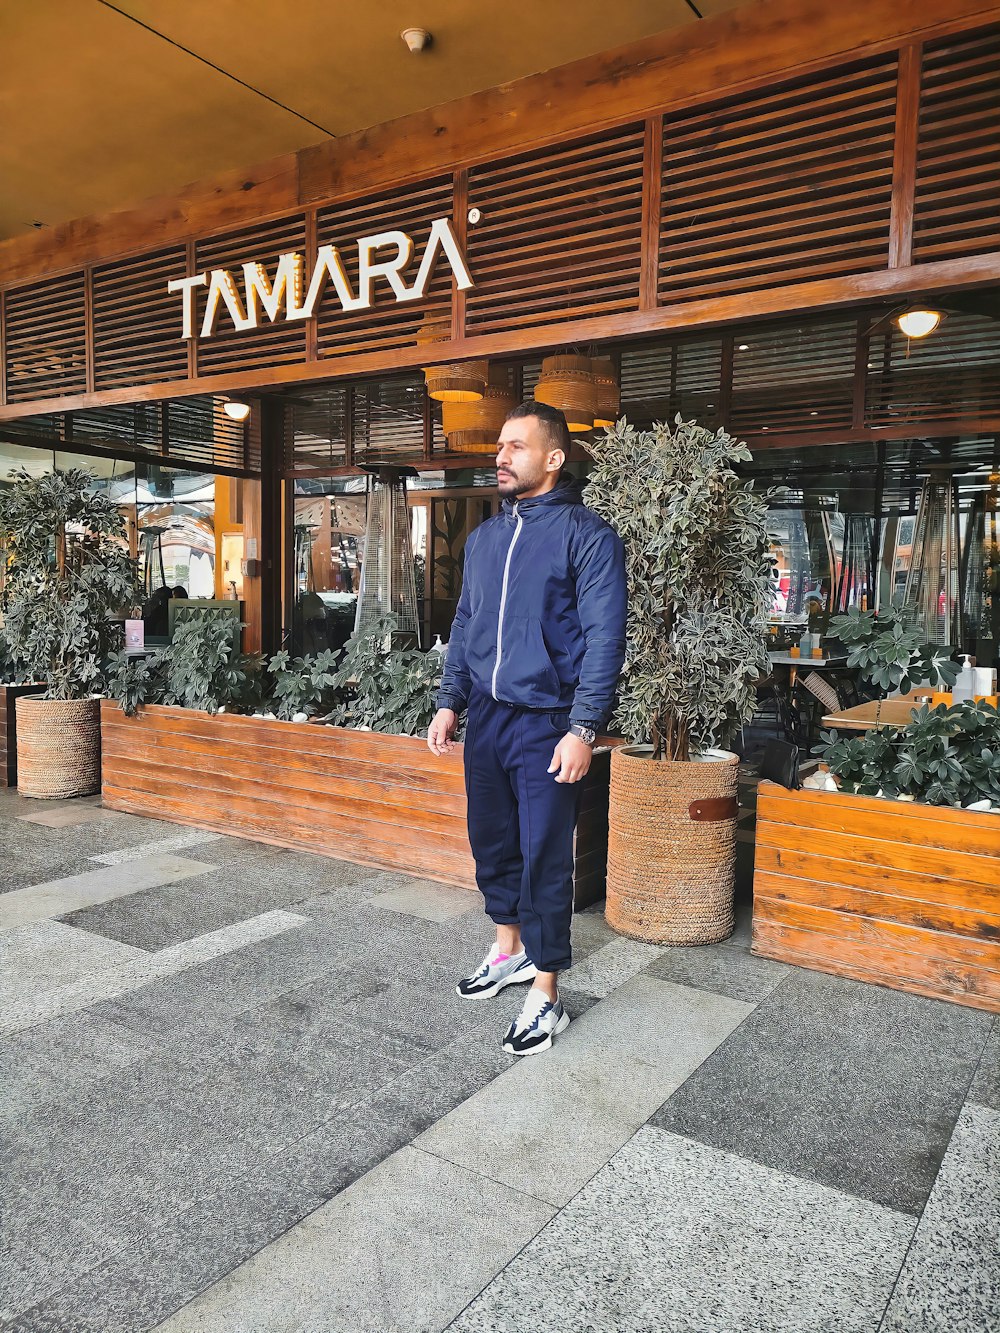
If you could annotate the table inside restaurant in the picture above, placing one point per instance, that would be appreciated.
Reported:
(894, 713)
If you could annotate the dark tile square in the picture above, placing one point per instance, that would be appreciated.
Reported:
(854, 1086)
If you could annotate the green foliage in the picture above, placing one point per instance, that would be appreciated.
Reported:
(67, 570)
(943, 756)
(888, 652)
(10, 673)
(701, 580)
(198, 669)
(385, 689)
(302, 684)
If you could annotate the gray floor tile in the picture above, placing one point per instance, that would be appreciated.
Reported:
(401, 1251)
(950, 1282)
(67, 816)
(67, 894)
(854, 1086)
(550, 1122)
(143, 1283)
(676, 1237)
(46, 954)
(609, 967)
(718, 968)
(140, 970)
(424, 898)
(985, 1088)
(174, 842)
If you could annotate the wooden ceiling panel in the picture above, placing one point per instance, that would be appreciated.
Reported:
(108, 113)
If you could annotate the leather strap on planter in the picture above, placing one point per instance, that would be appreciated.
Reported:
(712, 809)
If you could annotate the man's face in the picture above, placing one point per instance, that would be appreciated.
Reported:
(526, 462)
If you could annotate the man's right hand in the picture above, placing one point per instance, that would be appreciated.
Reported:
(441, 731)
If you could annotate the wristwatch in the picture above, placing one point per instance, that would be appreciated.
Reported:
(587, 734)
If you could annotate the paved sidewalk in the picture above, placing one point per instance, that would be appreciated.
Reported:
(240, 1095)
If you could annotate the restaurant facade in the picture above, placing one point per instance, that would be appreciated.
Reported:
(726, 222)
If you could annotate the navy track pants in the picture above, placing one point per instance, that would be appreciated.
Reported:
(521, 824)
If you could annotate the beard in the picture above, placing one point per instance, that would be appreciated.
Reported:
(510, 485)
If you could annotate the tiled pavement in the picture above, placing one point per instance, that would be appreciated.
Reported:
(239, 1095)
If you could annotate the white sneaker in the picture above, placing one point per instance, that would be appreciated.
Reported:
(496, 971)
(539, 1021)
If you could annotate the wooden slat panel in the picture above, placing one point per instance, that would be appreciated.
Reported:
(560, 234)
(271, 344)
(889, 821)
(957, 201)
(937, 919)
(137, 322)
(782, 185)
(968, 984)
(927, 892)
(387, 324)
(892, 936)
(426, 860)
(883, 853)
(45, 339)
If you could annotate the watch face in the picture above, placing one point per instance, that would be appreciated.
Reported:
(586, 735)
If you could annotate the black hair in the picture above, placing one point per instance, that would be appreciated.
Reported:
(180, 591)
(551, 419)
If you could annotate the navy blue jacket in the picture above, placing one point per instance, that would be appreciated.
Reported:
(541, 619)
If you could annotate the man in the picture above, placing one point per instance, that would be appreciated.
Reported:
(536, 647)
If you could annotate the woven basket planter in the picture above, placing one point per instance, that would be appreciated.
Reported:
(567, 382)
(58, 747)
(671, 847)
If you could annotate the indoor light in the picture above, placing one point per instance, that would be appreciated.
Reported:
(917, 323)
(235, 409)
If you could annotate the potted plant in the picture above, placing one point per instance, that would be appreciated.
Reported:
(68, 570)
(700, 588)
(12, 686)
(889, 872)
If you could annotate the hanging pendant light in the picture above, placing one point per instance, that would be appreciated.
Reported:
(473, 428)
(567, 382)
(608, 392)
(454, 381)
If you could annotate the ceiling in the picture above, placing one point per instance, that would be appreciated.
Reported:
(108, 102)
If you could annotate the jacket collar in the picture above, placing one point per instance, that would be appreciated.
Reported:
(567, 491)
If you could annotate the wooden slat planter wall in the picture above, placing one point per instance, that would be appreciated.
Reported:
(8, 734)
(355, 795)
(903, 895)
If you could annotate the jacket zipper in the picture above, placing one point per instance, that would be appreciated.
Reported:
(503, 597)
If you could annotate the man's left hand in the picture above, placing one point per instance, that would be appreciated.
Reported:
(571, 759)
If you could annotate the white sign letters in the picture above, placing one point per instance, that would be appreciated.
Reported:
(384, 256)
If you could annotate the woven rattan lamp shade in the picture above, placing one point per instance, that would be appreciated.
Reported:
(608, 392)
(567, 382)
(473, 428)
(453, 381)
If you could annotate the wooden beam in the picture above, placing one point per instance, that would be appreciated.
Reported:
(823, 294)
(904, 164)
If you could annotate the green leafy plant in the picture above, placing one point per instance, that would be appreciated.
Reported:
(68, 570)
(10, 673)
(943, 756)
(199, 668)
(701, 580)
(385, 689)
(888, 652)
(302, 684)
(928, 760)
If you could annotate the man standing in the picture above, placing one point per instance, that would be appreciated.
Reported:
(535, 651)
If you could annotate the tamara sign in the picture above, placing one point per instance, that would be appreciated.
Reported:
(282, 298)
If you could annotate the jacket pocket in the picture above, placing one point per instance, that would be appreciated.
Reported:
(527, 673)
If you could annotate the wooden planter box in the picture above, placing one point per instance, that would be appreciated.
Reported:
(896, 893)
(8, 733)
(355, 795)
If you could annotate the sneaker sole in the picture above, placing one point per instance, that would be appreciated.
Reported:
(545, 1045)
(515, 979)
